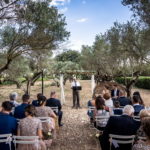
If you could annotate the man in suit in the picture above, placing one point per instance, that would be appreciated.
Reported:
(75, 92)
(19, 112)
(8, 124)
(115, 92)
(123, 100)
(36, 102)
(120, 125)
(136, 105)
(53, 102)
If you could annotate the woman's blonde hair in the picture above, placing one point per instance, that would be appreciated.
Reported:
(144, 113)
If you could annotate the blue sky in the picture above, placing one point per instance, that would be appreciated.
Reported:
(86, 18)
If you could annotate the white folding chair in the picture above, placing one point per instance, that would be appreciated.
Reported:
(137, 118)
(101, 121)
(55, 109)
(45, 119)
(6, 138)
(26, 140)
(91, 108)
(121, 139)
(143, 138)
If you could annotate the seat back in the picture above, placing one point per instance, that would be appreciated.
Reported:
(45, 119)
(137, 118)
(55, 109)
(101, 121)
(26, 140)
(91, 108)
(6, 138)
(121, 139)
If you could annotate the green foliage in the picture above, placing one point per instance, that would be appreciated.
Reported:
(69, 55)
(143, 82)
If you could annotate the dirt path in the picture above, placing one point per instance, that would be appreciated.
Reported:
(76, 134)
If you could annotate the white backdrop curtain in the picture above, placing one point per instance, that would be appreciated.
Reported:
(92, 83)
(62, 89)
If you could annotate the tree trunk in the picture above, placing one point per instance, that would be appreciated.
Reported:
(5, 67)
(28, 87)
(131, 83)
(18, 84)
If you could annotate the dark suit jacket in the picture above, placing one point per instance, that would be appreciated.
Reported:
(112, 93)
(8, 125)
(53, 102)
(19, 112)
(35, 103)
(124, 101)
(117, 111)
(137, 109)
(120, 125)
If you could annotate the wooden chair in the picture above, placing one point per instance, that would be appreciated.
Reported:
(25, 140)
(6, 138)
(121, 139)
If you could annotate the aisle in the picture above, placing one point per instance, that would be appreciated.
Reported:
(76, 133)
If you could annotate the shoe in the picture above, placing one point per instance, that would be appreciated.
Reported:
(79, 107)
(60, 125)
(73, 107)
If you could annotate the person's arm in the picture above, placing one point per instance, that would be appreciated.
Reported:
(52, 114)
(18, 130)
(39, 131)
(59, 105)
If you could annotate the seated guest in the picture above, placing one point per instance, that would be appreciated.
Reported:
(105, 90)
(8, 124)
(115, 92)
(44, 111)
(108, 100)
(120, 125)
(141, 102)
(117, 110)
(13, 99)
(36, 102)
(53, 102)
(101, 110)
(91, 103)
(136, 105)
(19, 110)
(146, 128)
(30, 126)
(123, 100)
(143, 113)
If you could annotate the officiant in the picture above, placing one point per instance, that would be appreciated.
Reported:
(76, 87)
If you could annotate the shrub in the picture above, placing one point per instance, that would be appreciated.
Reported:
(143, 82)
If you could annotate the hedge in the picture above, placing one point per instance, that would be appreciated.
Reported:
(143, 82)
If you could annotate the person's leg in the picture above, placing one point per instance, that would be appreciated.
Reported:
(74, 98)
(60, 113)
(78, 99)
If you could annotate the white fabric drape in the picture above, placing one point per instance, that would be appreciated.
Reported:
(62, 89)
(92, 83)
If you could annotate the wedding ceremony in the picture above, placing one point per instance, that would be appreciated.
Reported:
(74, 75)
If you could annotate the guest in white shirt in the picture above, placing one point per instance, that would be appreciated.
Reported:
(108, 100)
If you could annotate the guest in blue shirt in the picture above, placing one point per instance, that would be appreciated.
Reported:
(20, 110)
(36, 102)
(136, 105)
(117, 110)
(53, 102)
(8, 124)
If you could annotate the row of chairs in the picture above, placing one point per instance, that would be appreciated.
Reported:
(8, 139)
